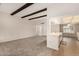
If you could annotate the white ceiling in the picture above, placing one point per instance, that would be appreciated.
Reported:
(57, 8)
(10, 7)
(32, 8)
(62, 9)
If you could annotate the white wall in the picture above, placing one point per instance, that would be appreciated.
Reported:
(12, 28)
(41, 26)
(42, 29)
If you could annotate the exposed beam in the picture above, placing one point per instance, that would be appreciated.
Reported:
(38, 17)
(21, 8)
(34, 12)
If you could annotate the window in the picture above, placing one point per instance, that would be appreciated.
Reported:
(68, 28)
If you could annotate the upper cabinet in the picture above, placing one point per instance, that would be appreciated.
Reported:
(67, 19)
(75, 19)
(70, 19)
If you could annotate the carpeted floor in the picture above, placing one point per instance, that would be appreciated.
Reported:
(33, 46)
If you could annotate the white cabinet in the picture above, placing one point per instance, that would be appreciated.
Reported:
(54, 40)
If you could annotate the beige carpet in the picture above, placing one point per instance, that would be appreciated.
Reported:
(34, 46)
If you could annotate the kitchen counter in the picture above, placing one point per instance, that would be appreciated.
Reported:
(56, 34)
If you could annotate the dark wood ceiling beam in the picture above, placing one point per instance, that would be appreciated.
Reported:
(21, 8)
(34, 13)
(38, 17)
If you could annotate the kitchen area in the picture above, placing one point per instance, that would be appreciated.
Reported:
(60, 28)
